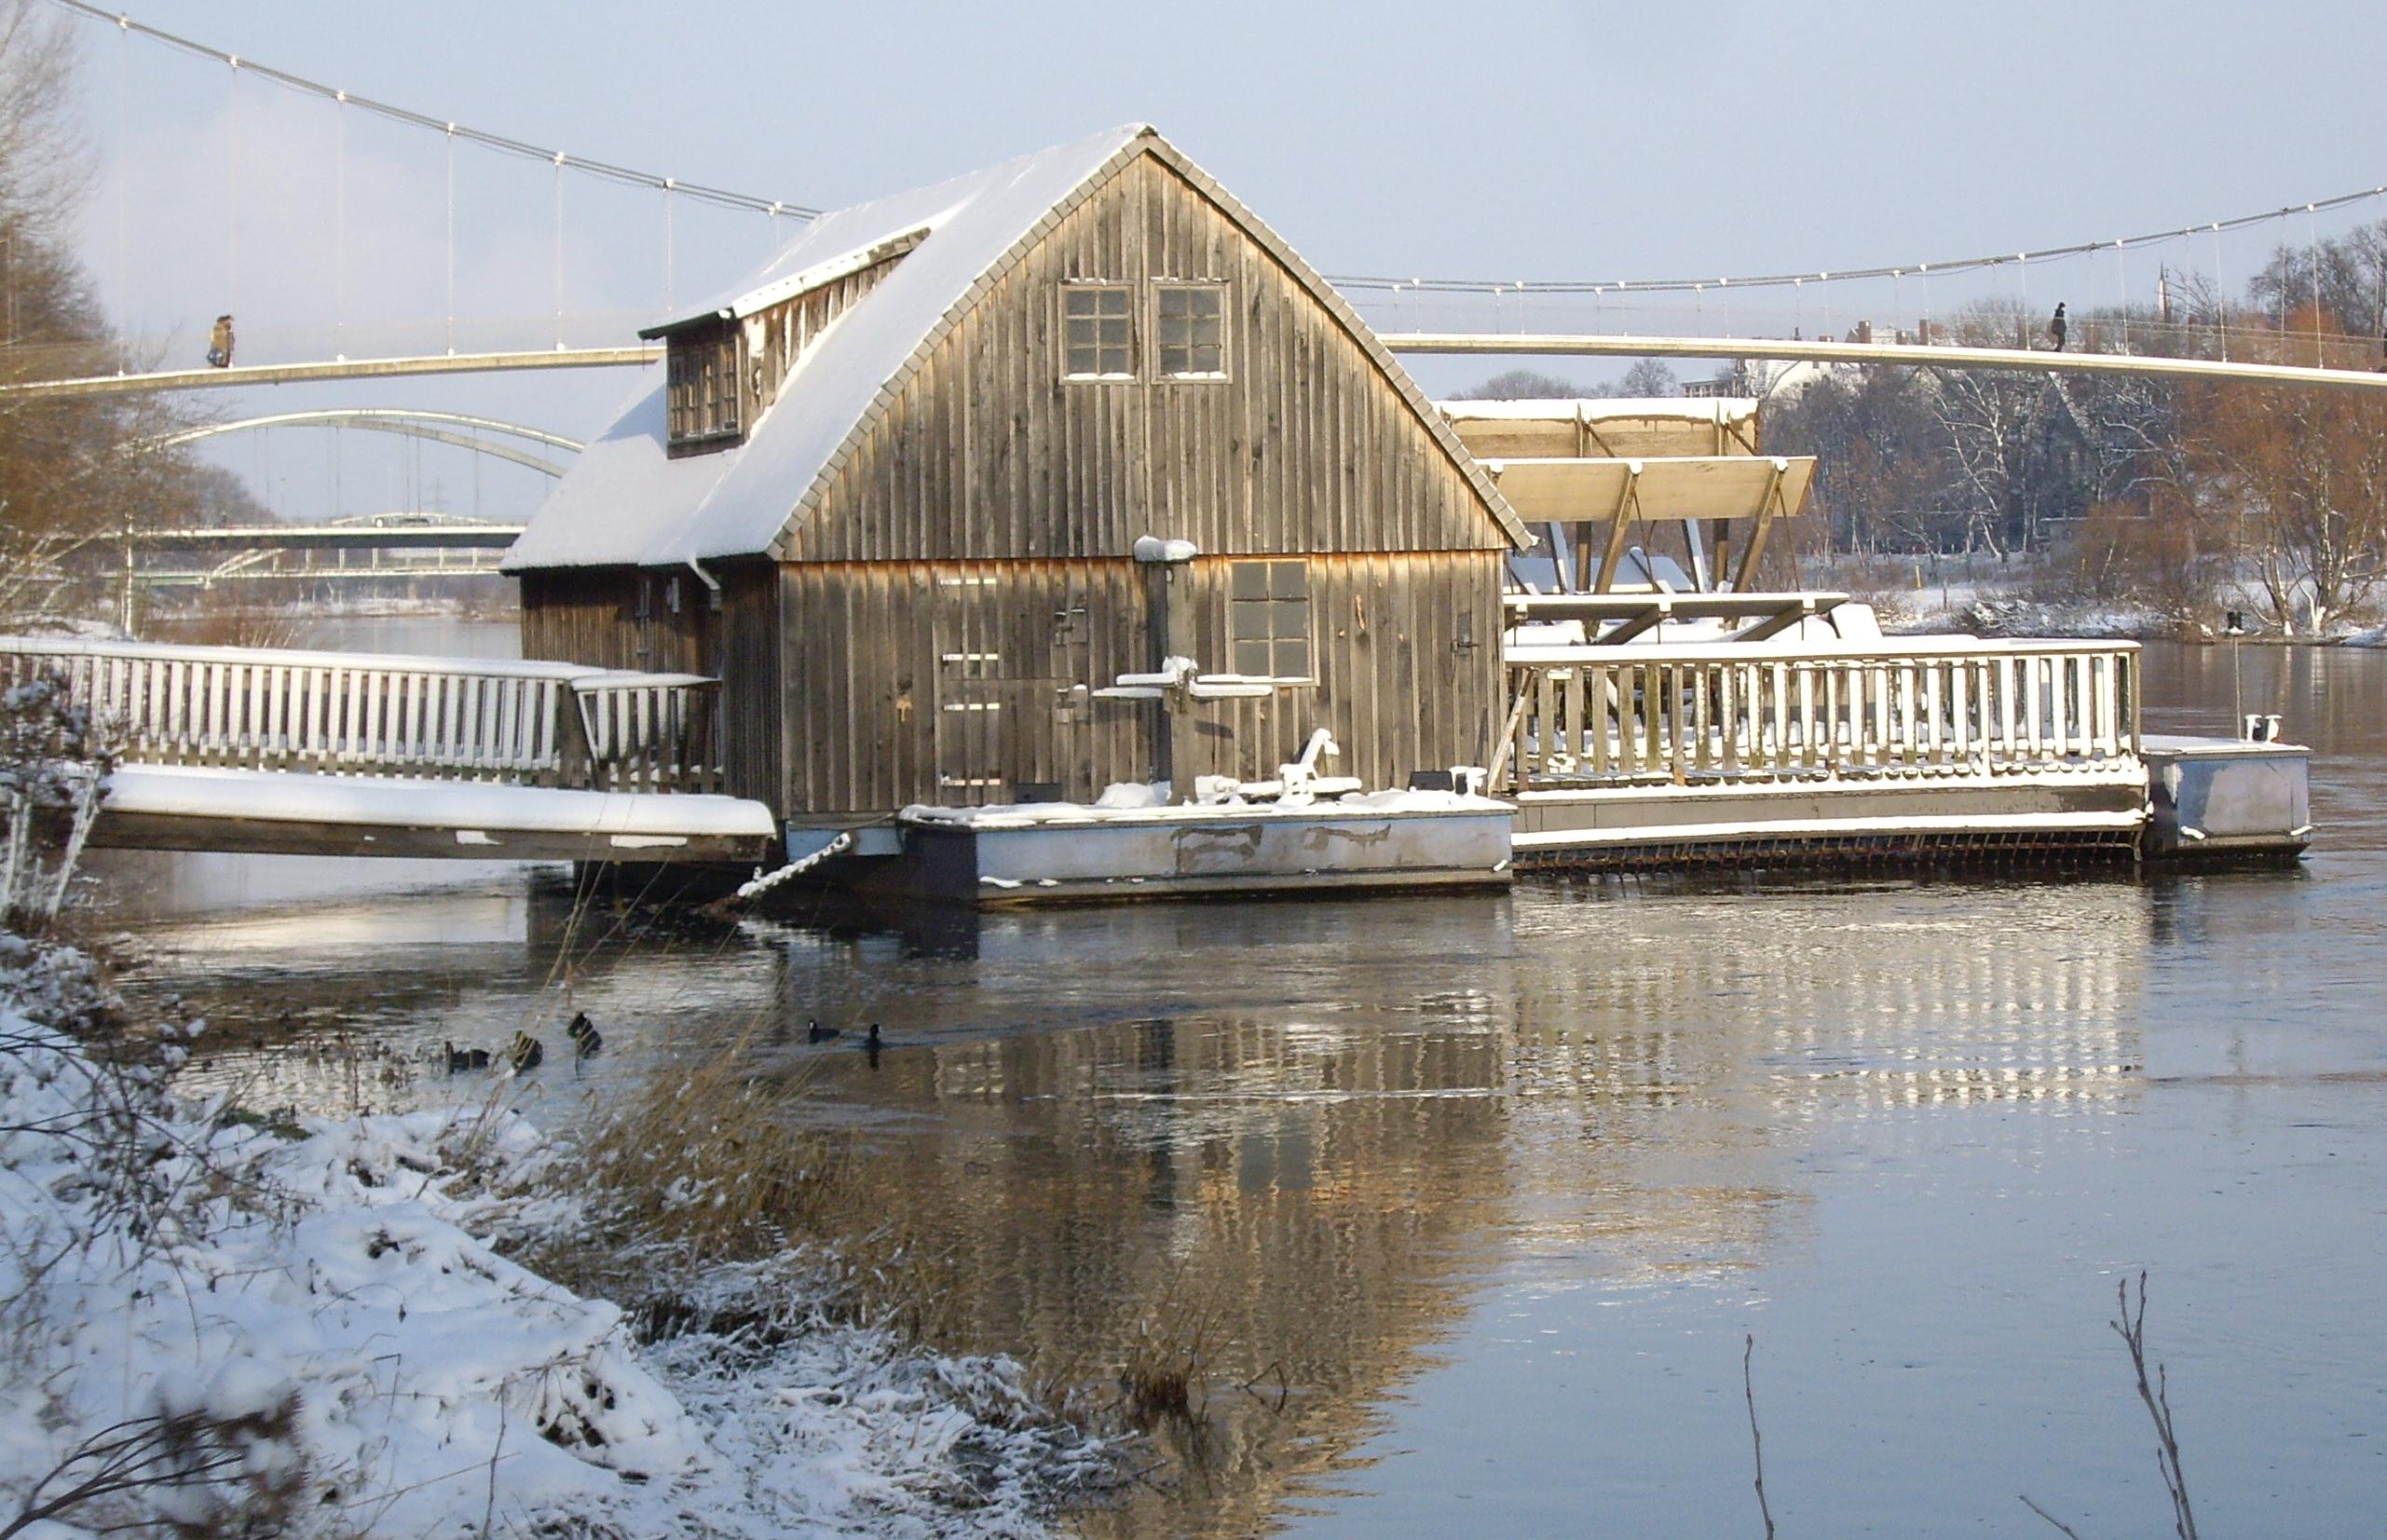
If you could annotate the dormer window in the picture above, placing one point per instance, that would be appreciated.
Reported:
(702, 389)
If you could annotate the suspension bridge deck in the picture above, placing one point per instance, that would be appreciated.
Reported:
(1521, 344)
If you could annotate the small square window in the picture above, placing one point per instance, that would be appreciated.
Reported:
(1191, 327)
(1098, 331)
(1268, 619)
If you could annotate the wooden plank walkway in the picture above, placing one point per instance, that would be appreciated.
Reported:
(337, 753)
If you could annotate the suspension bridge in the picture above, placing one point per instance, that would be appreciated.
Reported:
(2151, 304)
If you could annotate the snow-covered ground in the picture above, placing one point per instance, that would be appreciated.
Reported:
(308, 1330)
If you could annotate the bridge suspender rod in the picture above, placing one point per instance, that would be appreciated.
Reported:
(340, 232)
(232, 189)
(2222, 298)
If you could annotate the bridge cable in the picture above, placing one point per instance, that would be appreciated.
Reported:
(2313, 249)
(124, 165)
(232, 190)
(2122, 286)
(2221, 298)
(451, 241)
(774, 208)
(340, 234)
(559, 248)
(722, 196)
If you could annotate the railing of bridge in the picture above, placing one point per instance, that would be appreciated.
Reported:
(385, 715)
(1726, 714)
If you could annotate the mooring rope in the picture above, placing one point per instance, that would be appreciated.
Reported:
(764, 881)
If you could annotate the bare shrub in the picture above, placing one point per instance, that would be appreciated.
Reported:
(54, 762)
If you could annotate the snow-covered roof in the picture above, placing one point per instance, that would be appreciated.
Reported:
(1725, 411)
(625, 502)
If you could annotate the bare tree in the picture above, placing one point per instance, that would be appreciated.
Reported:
(2304, 476)
(1648, 377)
(67, 472)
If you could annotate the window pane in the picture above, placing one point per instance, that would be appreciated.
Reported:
(1097, 335)
(1291, 618)
(1248, 621)
(1207, 358)
(1289, 579)
(1251, 580)
(1252, 658)
(1175, 330)
(1292, 661)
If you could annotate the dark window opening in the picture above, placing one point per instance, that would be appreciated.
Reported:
(1268, 619)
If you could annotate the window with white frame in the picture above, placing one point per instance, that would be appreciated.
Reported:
(1268, 619)
(1191, 330)
(1098, 331)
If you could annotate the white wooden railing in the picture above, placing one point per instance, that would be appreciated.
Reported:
(1741, 714)
(367, 713)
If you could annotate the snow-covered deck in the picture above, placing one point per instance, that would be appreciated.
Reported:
(194, 807)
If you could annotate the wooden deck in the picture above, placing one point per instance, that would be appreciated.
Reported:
(1670, 753)
(255, 749)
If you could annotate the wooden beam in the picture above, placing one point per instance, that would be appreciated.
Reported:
(1627, 503)
(1766, 513)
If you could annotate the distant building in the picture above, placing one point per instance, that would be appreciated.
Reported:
(892, 491)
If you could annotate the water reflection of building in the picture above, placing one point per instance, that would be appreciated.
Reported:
(1308, 1132)
(1309, 1126)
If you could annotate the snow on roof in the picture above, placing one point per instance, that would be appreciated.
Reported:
(1728, 411)
(625, 502)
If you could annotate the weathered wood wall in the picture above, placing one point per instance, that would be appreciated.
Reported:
(962, 684)
(596, 615)
(989, 454)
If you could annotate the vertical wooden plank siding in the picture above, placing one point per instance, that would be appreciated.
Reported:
(988, 454)
(960, 683)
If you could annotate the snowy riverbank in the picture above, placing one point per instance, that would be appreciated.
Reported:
(313, 1330)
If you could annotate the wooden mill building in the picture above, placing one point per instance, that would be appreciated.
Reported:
(890, 491)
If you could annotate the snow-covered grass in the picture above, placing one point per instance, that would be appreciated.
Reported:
(218, 1327)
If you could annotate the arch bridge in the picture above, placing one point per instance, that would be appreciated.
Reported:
(482, 435)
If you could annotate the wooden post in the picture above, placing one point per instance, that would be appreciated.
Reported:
(1619, 526)
(575, 763)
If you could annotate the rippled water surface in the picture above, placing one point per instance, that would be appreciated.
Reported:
(1476, 1200)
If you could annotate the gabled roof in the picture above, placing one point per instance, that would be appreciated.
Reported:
(626, 502)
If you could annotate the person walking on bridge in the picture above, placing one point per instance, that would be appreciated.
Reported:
(2057, 328)
(219, 344)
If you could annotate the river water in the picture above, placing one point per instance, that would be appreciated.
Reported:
(1474, 1203)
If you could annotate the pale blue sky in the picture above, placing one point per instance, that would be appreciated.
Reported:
(1536, 141)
